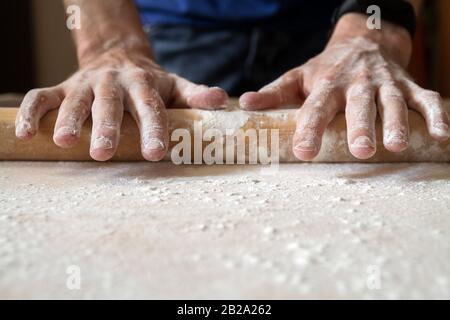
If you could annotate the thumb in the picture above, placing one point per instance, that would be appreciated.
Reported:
(283, 92)
(192, 95)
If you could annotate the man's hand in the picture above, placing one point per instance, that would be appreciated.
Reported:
(116, 73)
(359, 71)
(106, 86)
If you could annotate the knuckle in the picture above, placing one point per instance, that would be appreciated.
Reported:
(154, 129)
(152, 101)
(109, 94)
(359, 91)
(362, 102)
(79, 101)
(359, 127)
(325, 84)
(106, 101)
(431, 96)
(149, 106)
(37, 95)
(311, 119)
(78, 78)
(142, 76)
(84, 104)
(364, 75)
(154, 114)
(33, 100)
(391, 94)
(292, 75)
(109, 75)
(384, 72)
(395, 97)
(397, 125)
(307, 128)
(80, 98)
(329, 77)
(108, 124)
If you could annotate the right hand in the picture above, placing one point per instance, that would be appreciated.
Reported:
(105, 86)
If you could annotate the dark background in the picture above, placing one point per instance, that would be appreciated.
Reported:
(17, 72)
(36, 48)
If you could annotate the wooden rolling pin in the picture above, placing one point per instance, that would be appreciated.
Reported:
(334, 148)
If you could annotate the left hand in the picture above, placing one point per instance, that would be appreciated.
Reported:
(359, 71)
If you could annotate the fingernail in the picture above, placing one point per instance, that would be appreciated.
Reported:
(102, 142)
(306, 145)
(154, 144)
(441, 129)
(362, 142)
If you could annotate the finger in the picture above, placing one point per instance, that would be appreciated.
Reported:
(72, 114)
(313, 118)
(430, 105)
(186, 93)
(107, 113)
(149, 112)
(361, 114)
(285, 91)
(34, 106)
(394, 115)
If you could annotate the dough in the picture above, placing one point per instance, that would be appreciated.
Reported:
(334, 148)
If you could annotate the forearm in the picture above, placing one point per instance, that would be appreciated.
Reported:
(107, 24)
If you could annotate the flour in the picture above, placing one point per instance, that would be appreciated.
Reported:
(308, 231)
(228, 122)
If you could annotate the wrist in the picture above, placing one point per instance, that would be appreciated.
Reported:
(393, 39)
(93, 47)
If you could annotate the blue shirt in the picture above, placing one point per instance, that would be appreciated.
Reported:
(307, 14)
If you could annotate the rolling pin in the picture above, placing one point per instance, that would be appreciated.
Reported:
(227, 122)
